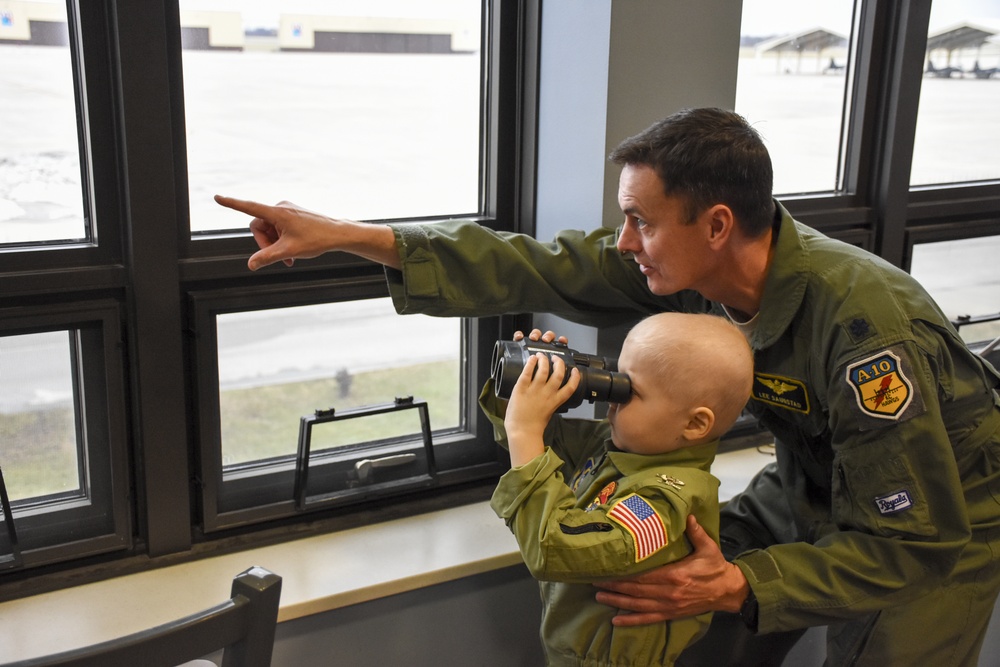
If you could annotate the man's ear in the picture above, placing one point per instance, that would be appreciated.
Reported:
(722, 223)
(700, 423)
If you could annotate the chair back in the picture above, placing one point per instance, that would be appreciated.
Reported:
(243, 626)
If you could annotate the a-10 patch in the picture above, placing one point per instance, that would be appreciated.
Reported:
(881, 388)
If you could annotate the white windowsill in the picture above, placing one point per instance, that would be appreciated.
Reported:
(319, 573)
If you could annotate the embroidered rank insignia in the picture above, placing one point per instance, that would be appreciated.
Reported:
(879, 385)
(860, 329)
(671, 481)
(642, 522)
(602, 497)
(782, 392)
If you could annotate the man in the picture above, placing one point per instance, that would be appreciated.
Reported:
(880, 518)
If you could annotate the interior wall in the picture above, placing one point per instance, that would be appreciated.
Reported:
(609, 70)
(572, 115)
(488, 620)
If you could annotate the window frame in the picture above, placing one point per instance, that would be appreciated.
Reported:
(265, 491)
(130, 106)
(99, 512)
(877, 208)
(130, 91)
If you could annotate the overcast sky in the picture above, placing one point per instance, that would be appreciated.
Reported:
(760, 17)
(775, 17)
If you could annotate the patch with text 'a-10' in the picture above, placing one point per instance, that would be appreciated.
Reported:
(880, 385)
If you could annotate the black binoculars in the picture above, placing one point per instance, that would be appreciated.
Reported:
(599, 376)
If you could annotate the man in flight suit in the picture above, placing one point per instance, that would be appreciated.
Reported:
(880, 517)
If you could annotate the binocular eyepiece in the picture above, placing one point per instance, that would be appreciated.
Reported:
(599, 376)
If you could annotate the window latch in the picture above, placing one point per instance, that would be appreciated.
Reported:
(364, 467)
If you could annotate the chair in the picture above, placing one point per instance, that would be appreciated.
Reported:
(244, 626)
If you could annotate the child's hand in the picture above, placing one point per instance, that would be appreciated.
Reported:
(536, 396)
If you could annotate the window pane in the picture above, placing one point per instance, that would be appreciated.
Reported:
(275, 366)
(364, 109)
(37, 417)
(41, 197)
(956, 136)
(791, 86)
(363, 429)
(972, 290)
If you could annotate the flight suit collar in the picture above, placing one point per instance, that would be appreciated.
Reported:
(698, 456)
(785, 286)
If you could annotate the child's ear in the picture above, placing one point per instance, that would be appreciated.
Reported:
(700, 423)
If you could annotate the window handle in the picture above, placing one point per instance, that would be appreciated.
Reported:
(364, 467)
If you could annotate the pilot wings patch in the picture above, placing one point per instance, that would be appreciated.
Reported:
(782, 392)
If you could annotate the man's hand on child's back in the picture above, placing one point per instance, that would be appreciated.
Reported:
(702, 581)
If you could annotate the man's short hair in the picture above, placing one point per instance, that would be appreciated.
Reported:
(708, 156)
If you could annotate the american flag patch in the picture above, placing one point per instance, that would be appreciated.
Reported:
(641, 520)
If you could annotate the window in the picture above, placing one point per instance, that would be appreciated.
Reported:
(40, 178)
(275, 363)
(374, 111)
(63, 446)
(114, 257)
(962, 276)
(368, 110)
(39, 404)
(956, 139)
(792, 85)
(127, 314)
(274, 366)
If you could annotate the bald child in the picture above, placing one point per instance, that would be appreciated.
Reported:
(594, 499)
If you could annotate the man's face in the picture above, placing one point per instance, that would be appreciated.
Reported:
(671, 252)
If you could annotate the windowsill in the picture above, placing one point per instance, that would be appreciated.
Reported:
(319, 573)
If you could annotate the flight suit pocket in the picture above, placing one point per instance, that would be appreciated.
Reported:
(876, 491)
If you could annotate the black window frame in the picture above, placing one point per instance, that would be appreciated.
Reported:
(877, 208)
(96, 518)
(141, 257)
(160, 283)
(262, 491)
(214, 279)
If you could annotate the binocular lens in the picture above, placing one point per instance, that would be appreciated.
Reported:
(599, 376)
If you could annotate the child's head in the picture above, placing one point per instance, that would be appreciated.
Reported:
(691, 377)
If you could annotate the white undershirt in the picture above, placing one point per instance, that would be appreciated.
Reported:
(746, 326)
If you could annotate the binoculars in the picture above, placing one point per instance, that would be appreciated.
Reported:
(599, 376)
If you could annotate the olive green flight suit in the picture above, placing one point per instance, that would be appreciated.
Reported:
(571, 512)
(881, 516)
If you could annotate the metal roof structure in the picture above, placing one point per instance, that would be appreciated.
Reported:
(813, 39)
(961, 36)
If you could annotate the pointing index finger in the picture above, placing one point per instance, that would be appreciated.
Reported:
(253, 208)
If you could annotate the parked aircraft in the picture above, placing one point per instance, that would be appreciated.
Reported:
(981, 73)
(943, 72)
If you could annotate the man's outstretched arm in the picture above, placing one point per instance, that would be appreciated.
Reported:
(286, 232)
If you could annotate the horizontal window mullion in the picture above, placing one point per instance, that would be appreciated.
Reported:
(60, 281)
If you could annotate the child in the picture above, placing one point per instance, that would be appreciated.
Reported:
(631, 479)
